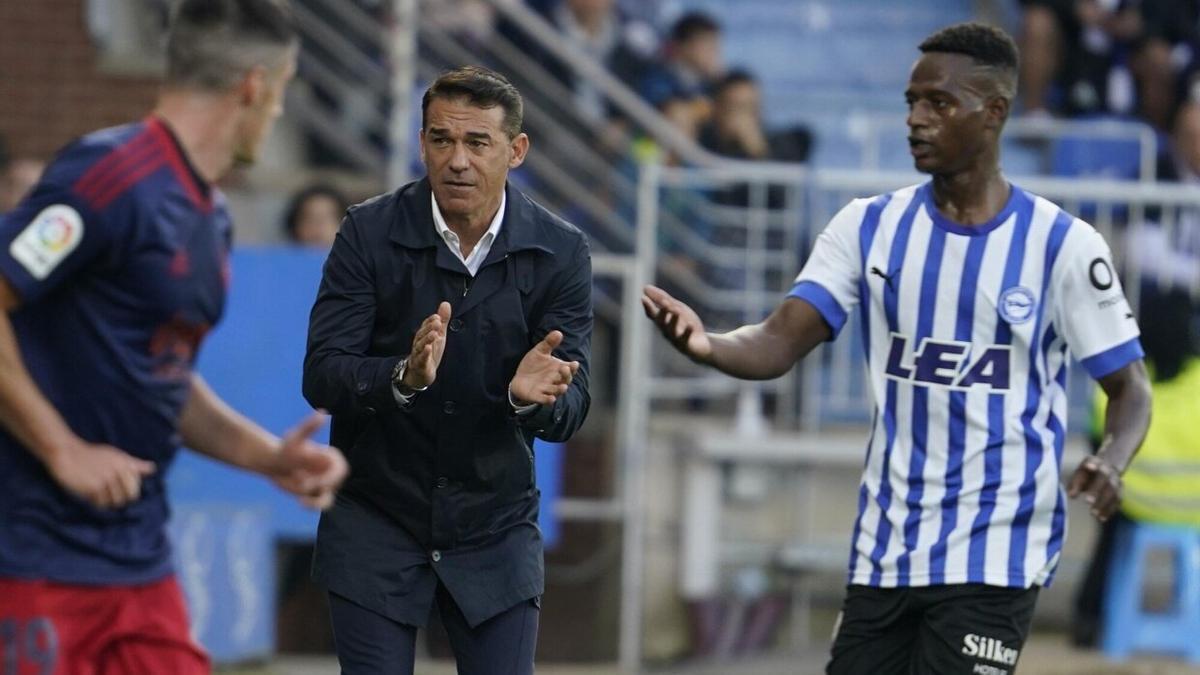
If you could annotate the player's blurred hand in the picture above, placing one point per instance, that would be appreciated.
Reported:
(678, 323)
(542, 377)
(104, 476)
(311, 471)
(428, 346)
(1100, 484)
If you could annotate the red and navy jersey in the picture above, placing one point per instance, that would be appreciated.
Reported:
(119, 256)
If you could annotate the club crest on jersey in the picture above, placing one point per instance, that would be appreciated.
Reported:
(949, 364)
(1016, 305)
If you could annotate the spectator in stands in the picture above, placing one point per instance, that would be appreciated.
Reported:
(1166, 247)
(1090, 48)
(598, 29)
(314, 216)
(19, 176)
(1164, 50)
(1160, 484)
(691, 64)
(736, 130)
(736, 127)
(1182, 163)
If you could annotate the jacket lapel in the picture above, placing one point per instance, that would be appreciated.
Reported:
(521, 231)
(414, 228)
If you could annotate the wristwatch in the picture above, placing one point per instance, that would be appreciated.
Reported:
(398, 379)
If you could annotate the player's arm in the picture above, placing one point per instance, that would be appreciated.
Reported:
(1126, 420)
(31, 267)
(307, 469)
(761, 351)
(1098, 325)
(100, 474)
(814, 311)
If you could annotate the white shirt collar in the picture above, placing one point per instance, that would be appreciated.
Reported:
(474, 261)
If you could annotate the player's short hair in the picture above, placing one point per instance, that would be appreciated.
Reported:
(988, 46)
(482, 88)
(212, 44)
(693, 24)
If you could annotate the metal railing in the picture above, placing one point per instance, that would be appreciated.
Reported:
(876, 130)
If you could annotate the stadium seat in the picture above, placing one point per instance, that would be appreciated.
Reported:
(1127, 626)
(1089, 156)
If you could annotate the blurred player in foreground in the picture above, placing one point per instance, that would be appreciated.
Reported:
(972, 294)
(111, 273)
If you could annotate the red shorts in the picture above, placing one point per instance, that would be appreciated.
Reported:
(64, 629)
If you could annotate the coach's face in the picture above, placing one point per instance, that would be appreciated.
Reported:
(950, 122)
(468, 155)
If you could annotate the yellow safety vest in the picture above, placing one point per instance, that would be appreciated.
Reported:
(1162, 483)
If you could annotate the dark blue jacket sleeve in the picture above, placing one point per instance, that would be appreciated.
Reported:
(570, 312)
(339, 375)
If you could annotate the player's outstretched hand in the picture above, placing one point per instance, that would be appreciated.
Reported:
(542, 377)
(311, 471)
(104, 476)
(678, 323)
(1100, 484)
(428, 346)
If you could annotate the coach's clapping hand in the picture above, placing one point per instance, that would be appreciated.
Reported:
(428, 346)
(541, 377)
(678, 323)
(311, 471)
(104, 476)
(1100, 484)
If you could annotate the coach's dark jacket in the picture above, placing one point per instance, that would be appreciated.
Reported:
(443, 489)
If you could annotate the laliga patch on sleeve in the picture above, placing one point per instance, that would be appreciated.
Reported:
(47, 240)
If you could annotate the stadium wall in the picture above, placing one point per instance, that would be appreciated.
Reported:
(51, 87)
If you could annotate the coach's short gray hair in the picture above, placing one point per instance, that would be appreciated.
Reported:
(212, 44)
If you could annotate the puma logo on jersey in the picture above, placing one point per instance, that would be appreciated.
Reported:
(948, 363)
(989, 649)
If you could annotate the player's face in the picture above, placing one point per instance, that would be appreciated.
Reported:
(262, 113)
(467, 155)
(947, 120)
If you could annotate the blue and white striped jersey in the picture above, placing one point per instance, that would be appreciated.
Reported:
(967, 332)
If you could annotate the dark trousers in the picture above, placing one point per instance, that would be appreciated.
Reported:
(371, 644)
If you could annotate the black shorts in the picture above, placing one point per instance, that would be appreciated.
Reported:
(967, 629)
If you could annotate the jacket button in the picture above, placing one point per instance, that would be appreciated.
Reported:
(456, 325)
(369, 410)
(362, 387)
(449, 407)
(442, 482)
(436, 556)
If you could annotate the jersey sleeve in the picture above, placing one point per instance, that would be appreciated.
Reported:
(829, 279)
(1092, 313)
(52, 235)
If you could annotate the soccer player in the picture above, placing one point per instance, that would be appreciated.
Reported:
(972, 293)
(111, 273)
